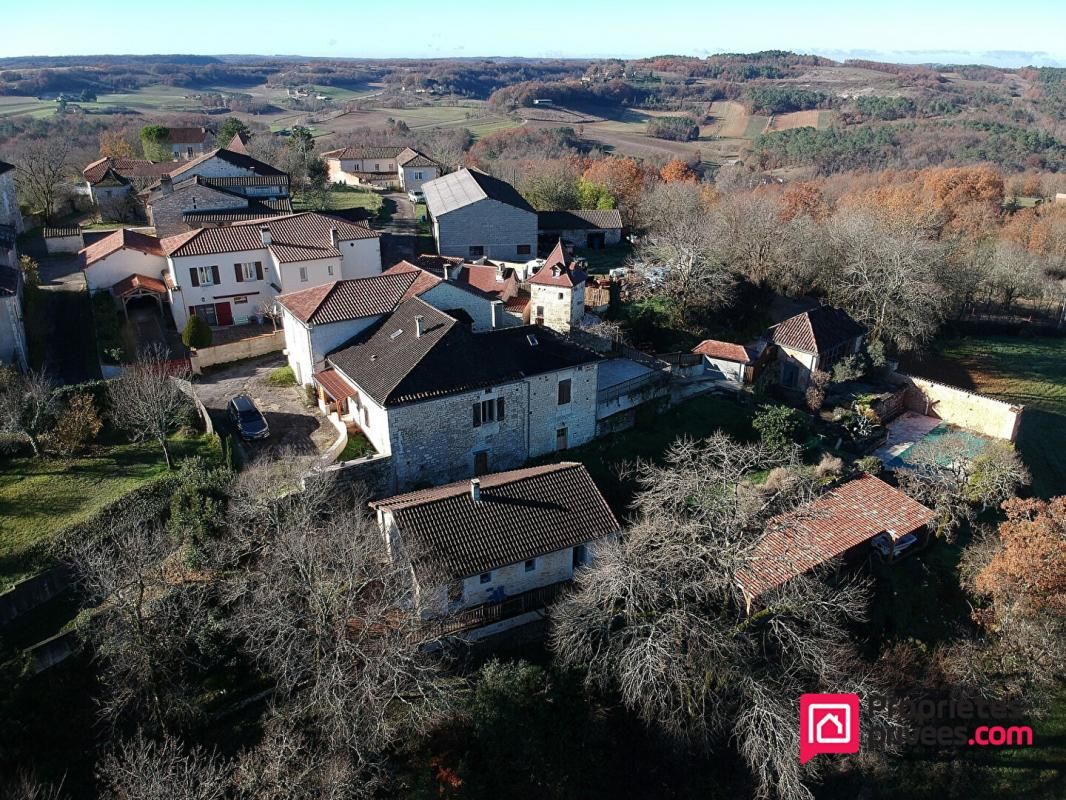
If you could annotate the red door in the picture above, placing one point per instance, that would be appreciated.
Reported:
(224, 313)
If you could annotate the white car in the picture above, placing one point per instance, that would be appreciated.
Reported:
(416, 197)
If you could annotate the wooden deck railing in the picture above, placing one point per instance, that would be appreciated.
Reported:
(486, 614)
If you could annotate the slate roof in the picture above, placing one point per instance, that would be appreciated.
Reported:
(557, 271)
(9, 280)
(827, 527)
(393, 365)
(817, 330)
(522, 514)
(296, 237)
(579, 219)
(364, 152)
(466, 186)
(60, 233)
(256, 208)
(725, 351)
(122, 239)
(239, 160)
(353, 298)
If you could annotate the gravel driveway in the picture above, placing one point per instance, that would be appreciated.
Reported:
(293, 426)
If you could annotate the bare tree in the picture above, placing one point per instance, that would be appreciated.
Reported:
(680, 257)
(28, 404)
(331, 615)
(659, 614)
(44, 169)
(26, 787)
(143, 619)
(143, 769)
(146, 401)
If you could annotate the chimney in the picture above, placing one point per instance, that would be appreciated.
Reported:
(264, 233)
(497, 314)
(475, 489)
(334, 237)
(420, 326)
(166, 184)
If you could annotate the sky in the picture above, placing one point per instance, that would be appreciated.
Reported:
(998, 33)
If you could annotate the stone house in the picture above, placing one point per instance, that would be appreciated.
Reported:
(110, 182)
(189, 143)
(489, 554)
(593, 229)
(321, 319)
(841, 523)
(382, 167)
(557, 293)
(446, 402)
(814, 340)
(12, 326)
(475, 215)
(229, 275)
(218, 188)
(10, 215)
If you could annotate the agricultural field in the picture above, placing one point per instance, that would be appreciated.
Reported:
(802, 119)
(1019, 370)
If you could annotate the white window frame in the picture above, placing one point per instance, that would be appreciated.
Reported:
(248, 270)
(206, 276)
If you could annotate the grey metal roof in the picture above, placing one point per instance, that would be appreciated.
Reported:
(467, 186)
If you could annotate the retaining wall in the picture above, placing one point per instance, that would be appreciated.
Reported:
(960, 407)
(235, 351)
(33, 591)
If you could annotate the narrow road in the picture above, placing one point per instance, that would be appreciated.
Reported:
(399, 236)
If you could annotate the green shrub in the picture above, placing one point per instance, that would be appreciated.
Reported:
(779, 426)
(871, 465)
(197, 333)
(282, 376)
(78, 424)
(197, 507)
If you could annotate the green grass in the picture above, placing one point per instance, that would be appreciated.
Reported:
(40, 497)
(756, 126)
(650, 438)
(282, 376)
(603, 261)
(357, 447)
(1031, 371)
(345, 198)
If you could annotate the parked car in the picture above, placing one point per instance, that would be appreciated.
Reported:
(249, 420)
(884, 544)
(416, 197)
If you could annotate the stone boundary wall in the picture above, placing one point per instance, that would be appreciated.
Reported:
(31, 592)
(960, 407)
(374, 472)
(235, 351)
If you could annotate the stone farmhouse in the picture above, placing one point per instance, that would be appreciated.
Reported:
(446, 402)
(475, 215)
(111, 181)
(321, 319)
(382, 167)
(592, 229)
(557, 293)
(189, 143)
(494, 551)
(220, 187)
(841, 523)
(229, 275)
(814, 340)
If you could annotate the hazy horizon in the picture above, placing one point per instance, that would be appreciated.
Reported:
(907, 31)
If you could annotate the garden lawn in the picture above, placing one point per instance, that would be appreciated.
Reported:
(1031, 371)
(39, 498)
(345, 199)
(650, 438)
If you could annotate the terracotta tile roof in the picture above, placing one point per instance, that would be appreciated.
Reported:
(126, 168)
(122, 239)
(521, 514)
(238, 144)
(817, 330)
(348, 153)
(557, 271)
(466, 186)
(412, 158)
(354, 298)
(726, 351)
(188, 135)
(334, 384)
(135, 282)
(296, 237)
(579, 219)
(421, 280)
(827, 527)
(458, 276)
(517, 303)
(393, 365)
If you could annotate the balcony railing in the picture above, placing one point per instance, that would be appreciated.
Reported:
(486, 614)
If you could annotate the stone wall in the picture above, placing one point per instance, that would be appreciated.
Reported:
(374, 474)
(495, 226)
(235, 351)
(960, 407)
(32, 592)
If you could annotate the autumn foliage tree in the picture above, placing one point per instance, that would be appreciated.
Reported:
(623, 178)
(675, 171)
